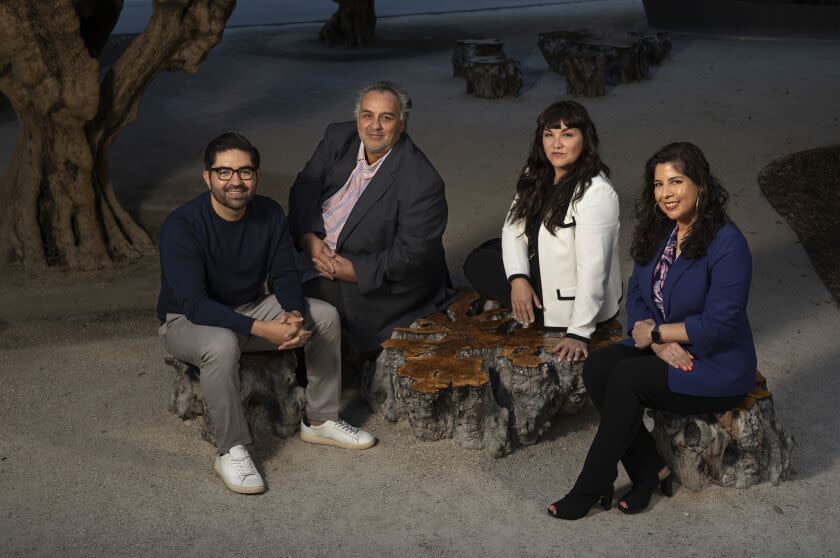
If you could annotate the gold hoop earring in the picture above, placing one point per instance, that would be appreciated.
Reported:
(660, 214)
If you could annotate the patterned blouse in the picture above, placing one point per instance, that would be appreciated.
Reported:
(661, 271)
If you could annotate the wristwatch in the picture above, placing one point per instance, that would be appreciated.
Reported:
(655, 334)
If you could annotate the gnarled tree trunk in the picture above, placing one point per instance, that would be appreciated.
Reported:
(58, 203)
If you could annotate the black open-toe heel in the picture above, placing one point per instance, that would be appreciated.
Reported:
(666, 485)
(572, 506)
(638, 498)
(576, 506)
(606, 500)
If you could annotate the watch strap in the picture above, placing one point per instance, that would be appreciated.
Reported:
(655, 334)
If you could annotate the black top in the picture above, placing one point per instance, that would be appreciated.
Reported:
(532, 232)
(209, 266)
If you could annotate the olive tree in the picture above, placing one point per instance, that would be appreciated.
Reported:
(57, 203)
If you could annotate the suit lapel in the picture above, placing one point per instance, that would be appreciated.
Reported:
(378, 185)
(341, 170)
(680, 266)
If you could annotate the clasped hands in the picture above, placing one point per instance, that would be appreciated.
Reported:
(523, 299)
(286, 331)
(326, 261)
(671, 352)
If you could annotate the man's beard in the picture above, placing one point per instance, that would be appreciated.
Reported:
(238, 203)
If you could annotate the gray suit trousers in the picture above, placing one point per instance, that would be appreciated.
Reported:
(216, 350)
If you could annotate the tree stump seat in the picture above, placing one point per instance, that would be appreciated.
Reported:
(472, 374)
(737, 448)
(657, 45)
(270, 395)
(474, 48)
(491, 78)
(590, 60)
(586, 73)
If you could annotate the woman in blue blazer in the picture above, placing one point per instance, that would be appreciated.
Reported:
(689, 348)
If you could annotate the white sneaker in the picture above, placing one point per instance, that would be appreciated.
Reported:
(337, 433)
(238, 471)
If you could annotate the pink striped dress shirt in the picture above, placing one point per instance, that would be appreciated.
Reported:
(337, 208)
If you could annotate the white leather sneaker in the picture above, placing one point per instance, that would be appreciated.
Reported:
(238, 471)
(337, 433)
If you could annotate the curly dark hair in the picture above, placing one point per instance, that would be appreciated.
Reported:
(539, 172)
(652, 225)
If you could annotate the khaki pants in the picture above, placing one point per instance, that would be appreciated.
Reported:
(216, 350)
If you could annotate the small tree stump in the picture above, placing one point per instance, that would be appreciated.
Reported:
(554, 45)
(657, 46)
(491, 78)
(270, 395)
(585, 73)
(474, 48)
(737, 448)
(474, 375)
(626, 60)
(590, 60)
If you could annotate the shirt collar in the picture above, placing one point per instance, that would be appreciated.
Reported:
(360, 158)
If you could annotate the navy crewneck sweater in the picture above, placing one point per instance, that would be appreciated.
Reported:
(209, 266)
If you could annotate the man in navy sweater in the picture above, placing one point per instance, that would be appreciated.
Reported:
(216, 253)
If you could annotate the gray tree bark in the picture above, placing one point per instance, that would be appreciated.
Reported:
(492, 78)
(59, 204)
(737, 448)
(590, 60)
(466, 49)
(473, 375)
(272, 400)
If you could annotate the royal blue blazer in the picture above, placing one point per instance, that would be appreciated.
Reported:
(710, 295)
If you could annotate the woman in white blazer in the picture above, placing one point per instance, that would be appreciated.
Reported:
(559, 264)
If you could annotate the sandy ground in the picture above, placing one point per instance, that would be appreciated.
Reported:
(91, 462)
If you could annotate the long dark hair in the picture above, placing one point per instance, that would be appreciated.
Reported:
(539, 172)
(652, 225)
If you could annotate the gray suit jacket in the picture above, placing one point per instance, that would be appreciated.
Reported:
(392, 236)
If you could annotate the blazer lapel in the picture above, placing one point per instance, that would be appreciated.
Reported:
(341, 170)
(378, 185)
(646, 276)
(680, 266)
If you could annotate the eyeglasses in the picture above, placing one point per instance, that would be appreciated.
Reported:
(226, 173)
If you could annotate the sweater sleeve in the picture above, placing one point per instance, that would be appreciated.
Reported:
(283, 277)
(182, 264)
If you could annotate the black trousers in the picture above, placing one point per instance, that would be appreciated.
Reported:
(330, 291)
(484, 268)
(485, 271)
(622, 381)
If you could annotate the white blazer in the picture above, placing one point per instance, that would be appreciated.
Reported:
(581, 274)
